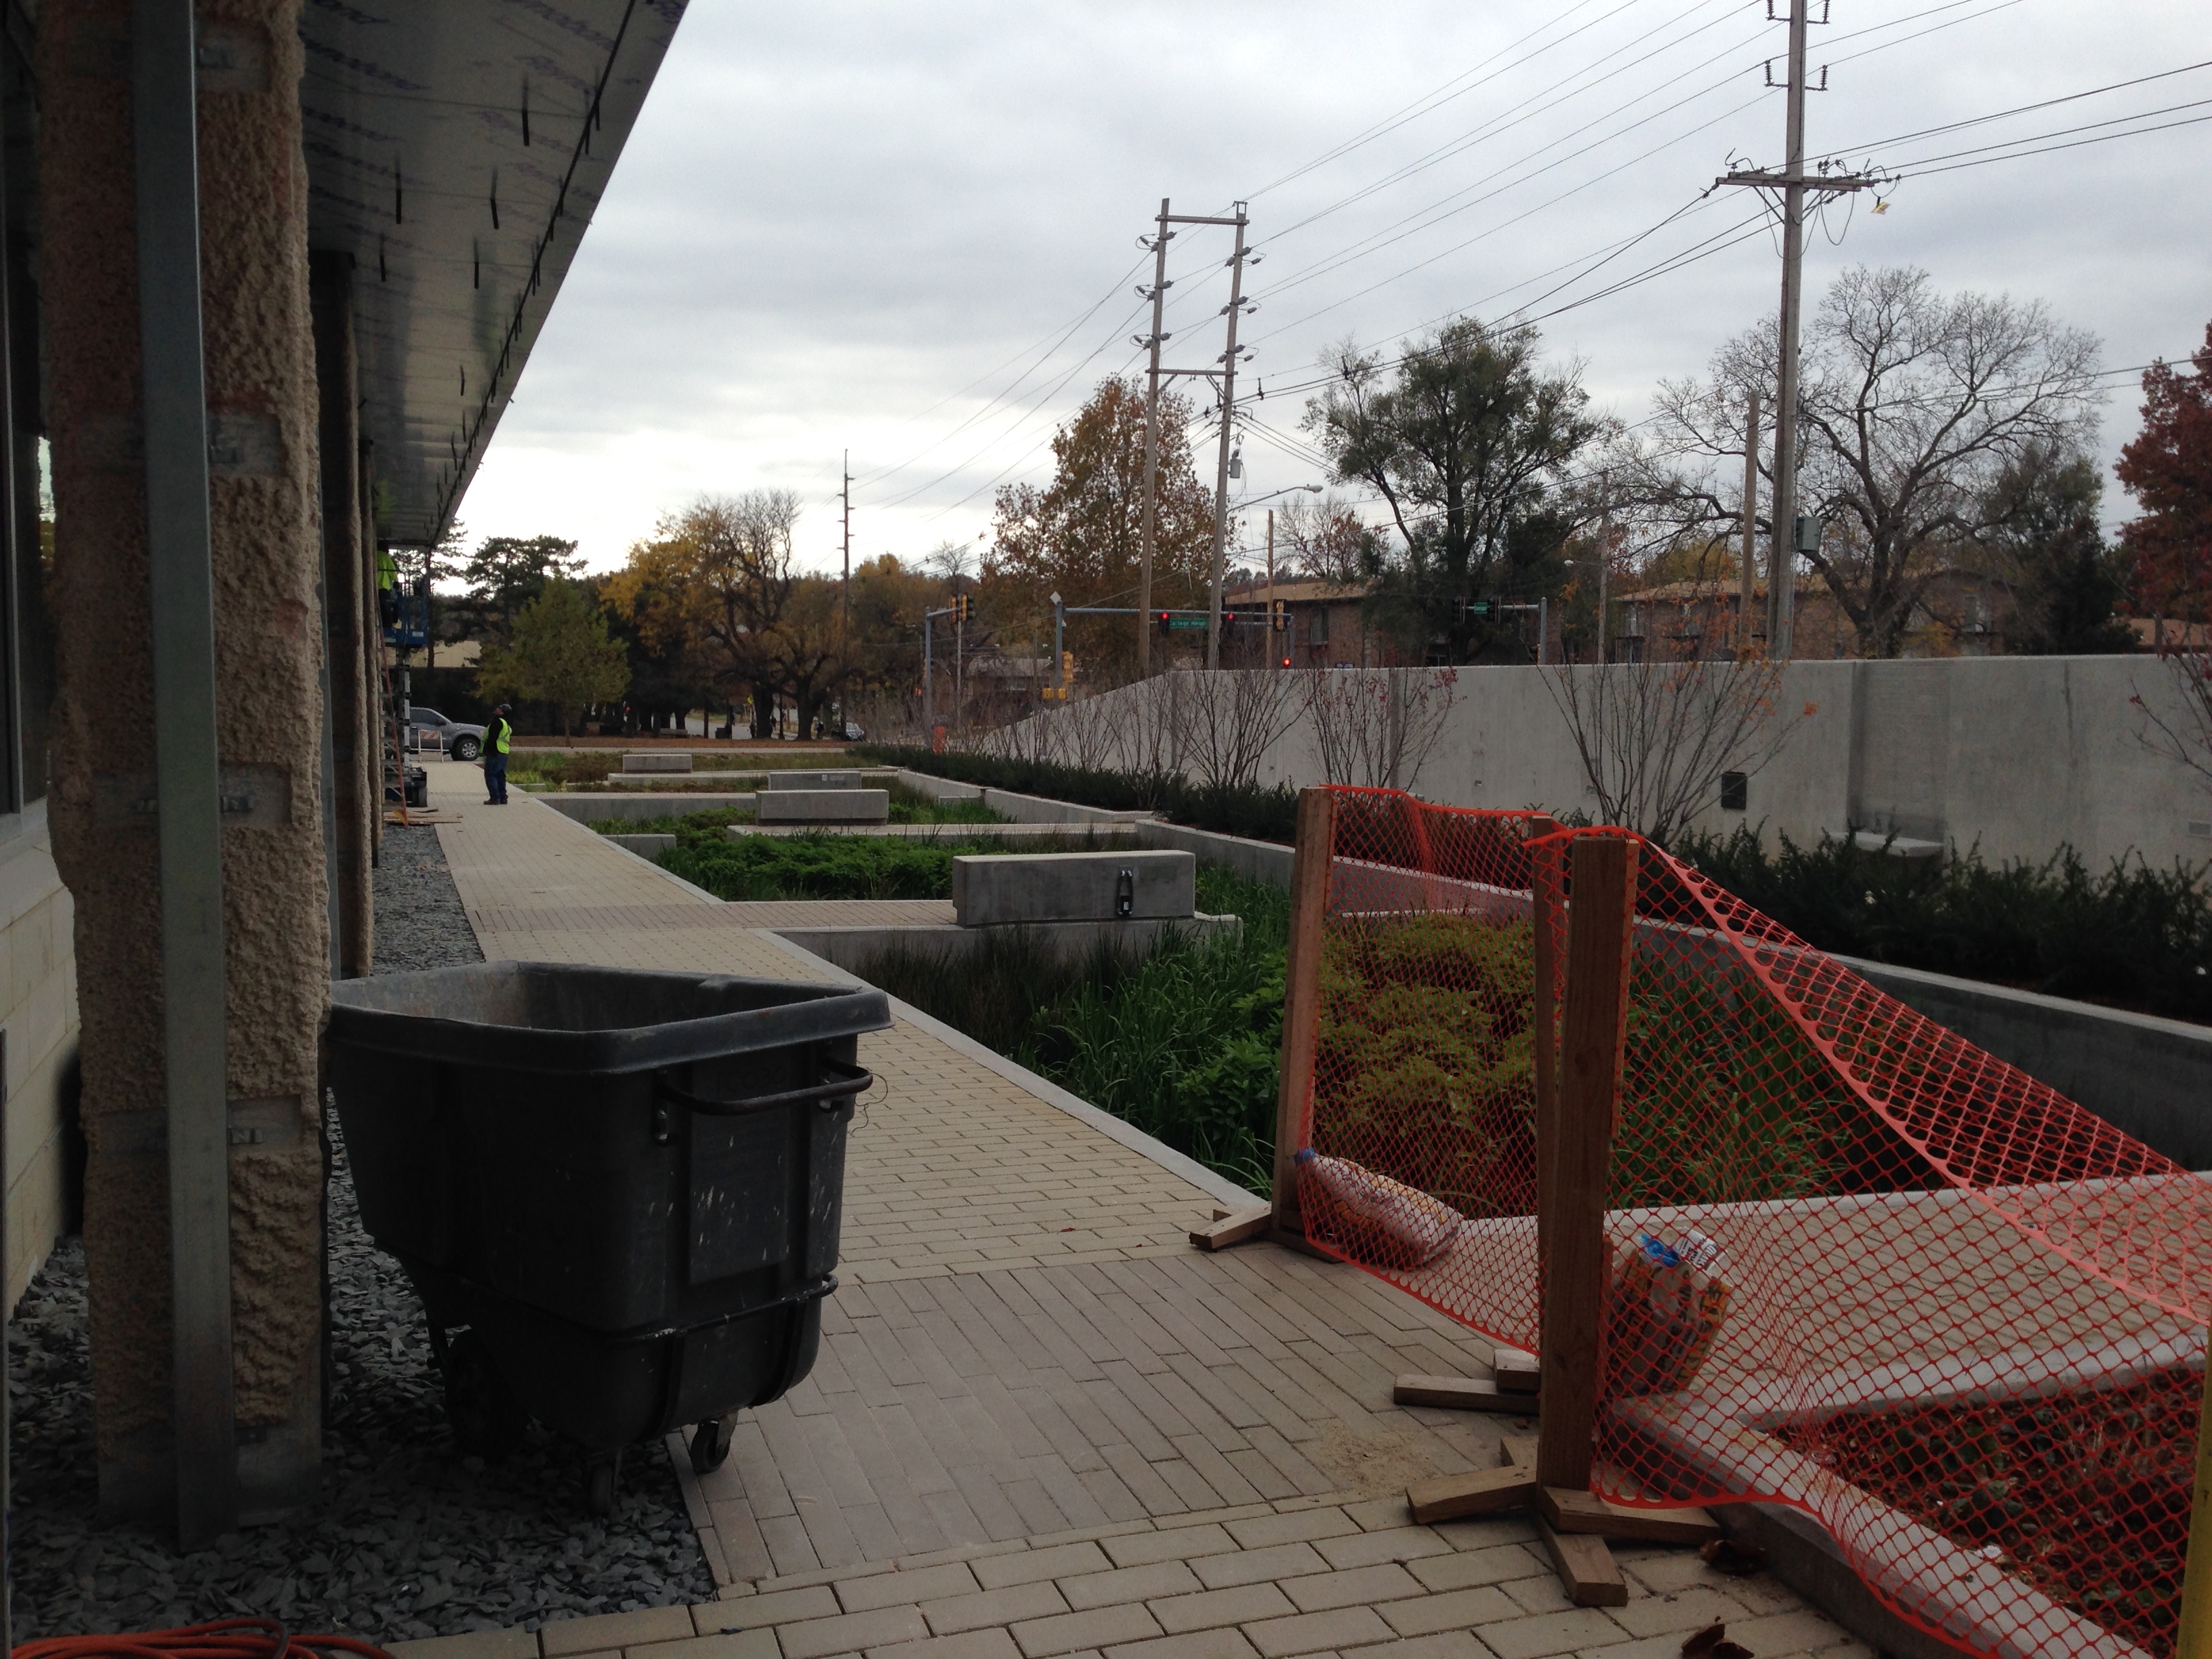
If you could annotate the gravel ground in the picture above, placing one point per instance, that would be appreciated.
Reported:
(411, 1539)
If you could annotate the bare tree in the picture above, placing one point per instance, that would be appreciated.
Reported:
(2183, 732)
(1326, 541)
(1654, 738)
(1228, 719)
(1912, 402)
(1376, 727)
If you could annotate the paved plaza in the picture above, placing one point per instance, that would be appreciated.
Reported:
(1042, 1423)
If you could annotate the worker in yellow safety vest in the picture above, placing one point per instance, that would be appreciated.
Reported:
(496, 735)
(387, 588)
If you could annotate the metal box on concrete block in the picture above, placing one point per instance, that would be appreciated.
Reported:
(993, 889)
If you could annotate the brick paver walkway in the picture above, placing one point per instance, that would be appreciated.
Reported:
(1041, 1423)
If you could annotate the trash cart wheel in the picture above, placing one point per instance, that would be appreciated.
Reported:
(602, 1474)
(487, 1419)
(710, 1444)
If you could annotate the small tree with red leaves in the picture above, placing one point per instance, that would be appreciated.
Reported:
(2168, 468)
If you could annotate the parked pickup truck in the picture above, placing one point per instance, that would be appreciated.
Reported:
(428, 729)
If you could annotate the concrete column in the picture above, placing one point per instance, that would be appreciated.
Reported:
(261, 393)
(372, 646)
(330, 285)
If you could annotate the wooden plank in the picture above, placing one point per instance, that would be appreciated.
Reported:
(2194, 1638)
(1517, 1448)
(1233, 1227)
(1580, 1261)
(1466, 1394)
(1587, 1569)
(1478, 1491)
(1569, 1510)
(1309, 873)
(1517, 1372)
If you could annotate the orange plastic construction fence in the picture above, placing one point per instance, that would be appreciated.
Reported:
(1860, 1266)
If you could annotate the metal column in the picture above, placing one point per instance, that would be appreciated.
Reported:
(179, 557)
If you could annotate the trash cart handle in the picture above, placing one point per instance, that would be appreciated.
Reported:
(849, 1080)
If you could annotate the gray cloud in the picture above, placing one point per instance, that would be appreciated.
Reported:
(833, 218)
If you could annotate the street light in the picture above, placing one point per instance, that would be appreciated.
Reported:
(1293, 490)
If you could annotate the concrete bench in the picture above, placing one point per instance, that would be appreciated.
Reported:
(782, 781)
(657, 760)
(994, 888)
(823, 806)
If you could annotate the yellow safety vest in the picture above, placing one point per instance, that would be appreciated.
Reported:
(499, 731)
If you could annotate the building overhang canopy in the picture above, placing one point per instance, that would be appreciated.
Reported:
(457, 152)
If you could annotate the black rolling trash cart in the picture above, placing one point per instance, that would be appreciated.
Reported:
(617, 1192)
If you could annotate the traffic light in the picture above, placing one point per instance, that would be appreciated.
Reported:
(960, 604)
(1066, 667)
(1164, 623)
(1279, 619)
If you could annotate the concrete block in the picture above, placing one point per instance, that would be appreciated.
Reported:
(993, 889)
(657, 760)
(782, 781)
(651, 847)
(823, 806)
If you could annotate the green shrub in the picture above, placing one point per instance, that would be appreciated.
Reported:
(1256, 811)
(2133, 937)
(1183, 1042)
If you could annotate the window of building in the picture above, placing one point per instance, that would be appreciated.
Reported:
(27, 537)
(1318, 630)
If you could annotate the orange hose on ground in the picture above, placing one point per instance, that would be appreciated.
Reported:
(220, 1638)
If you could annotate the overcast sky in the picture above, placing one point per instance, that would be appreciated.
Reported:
(910, 230)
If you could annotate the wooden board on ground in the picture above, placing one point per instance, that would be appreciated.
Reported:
(1478, 1492)
(1587, 1572)
(1233, 1227)
(1517, 1372)
(1460, 1394)
(1586, 1513)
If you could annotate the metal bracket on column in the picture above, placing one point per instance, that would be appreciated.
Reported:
(180, 559)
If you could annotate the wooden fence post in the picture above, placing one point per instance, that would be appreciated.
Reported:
(2194, 1639)
(1544, 1022)
(1302, 995)
(1580, 1262)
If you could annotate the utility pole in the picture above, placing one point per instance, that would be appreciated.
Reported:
(1750, 524)
(1233, 310)
(845, 592)
(1791, 184)
(1274, 655)
(1604, 557)
(1159, 294)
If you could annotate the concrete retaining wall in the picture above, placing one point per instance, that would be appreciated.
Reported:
(2019, 755)
(1022, 809)
(2150, 1077)
(591, 809)
(854, 948)
(822, 805)
(1254, 860)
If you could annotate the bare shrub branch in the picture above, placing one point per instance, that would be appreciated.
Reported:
(1376, 727)
(1654, 738)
